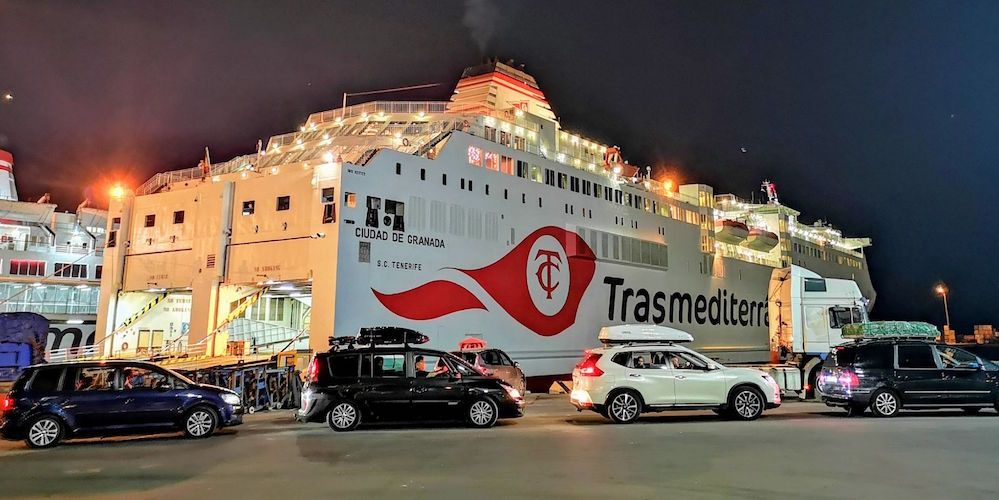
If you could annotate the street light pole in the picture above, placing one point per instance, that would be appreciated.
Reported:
(942, 290)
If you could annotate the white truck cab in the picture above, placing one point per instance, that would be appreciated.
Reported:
(807, 314)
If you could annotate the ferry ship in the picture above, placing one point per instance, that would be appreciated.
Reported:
(480, 216)
(50, 262)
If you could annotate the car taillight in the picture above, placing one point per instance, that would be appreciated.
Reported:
(6, 403)
(588, 366)
(312, 374)
(849, 379)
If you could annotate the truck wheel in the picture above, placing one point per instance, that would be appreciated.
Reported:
(885, 403)
(746, 403)
(624, 407)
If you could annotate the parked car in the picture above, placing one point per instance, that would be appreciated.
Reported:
(642, 369)
(496, 363)
(348, 386)
(49, 403)
(889, 375)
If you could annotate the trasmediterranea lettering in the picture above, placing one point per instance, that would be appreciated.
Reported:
(641, 305)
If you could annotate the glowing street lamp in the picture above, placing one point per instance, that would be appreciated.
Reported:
(942, 291)
(117, 192)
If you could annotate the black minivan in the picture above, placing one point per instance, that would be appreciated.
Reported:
(50, 402)
(346, 387)
(889, 375)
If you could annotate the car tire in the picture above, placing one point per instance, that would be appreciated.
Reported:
(885, 403)
(624, 407)
(971, 411)
(200, 422)
(482, 413)
(44, 431)
(855, 411)
(343, 416)
(746, 403)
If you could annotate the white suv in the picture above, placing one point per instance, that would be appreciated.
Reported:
(620, 381)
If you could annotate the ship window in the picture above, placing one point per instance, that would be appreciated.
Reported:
(506, 165)
(112, 239)
(469, 184)
(27, 267)
(150, 220)
(178, 217)
(487, 189)
(423, 174)
(462, 183)
(522, 169)
(474, 156)
(586, 187)
(328, 196)
(506, 194)
(71, 270)
(248, 207)
(398, 169)
(350, 199)
(283, 203)
(491, 160)
(98, 272)
(563, 181)
(444, 179)
(523, 198)
(329, 213)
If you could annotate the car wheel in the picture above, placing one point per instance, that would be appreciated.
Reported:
(971, 411)
(45, 431)
(482, 413)
(854, 411)
(746, 403)
(343, 416)
(200, 422)
(624, 407)
(885, 403)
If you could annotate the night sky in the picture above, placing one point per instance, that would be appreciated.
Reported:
(880, 117)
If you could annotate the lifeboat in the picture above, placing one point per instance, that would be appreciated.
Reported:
(761, 239)
(731, 231)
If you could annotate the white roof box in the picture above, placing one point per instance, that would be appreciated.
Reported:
(620, 334)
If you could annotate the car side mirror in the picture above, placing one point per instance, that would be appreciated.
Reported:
(713, 367)
(455, 376)
(975, 366)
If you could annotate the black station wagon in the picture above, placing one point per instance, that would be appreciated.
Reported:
(347, 386)
(889, 375)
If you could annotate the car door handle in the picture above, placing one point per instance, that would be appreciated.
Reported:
(635, 375)
(681, 377)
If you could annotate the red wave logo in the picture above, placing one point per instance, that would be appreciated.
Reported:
(506, 281)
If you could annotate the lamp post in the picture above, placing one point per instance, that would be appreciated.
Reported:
(942, 291)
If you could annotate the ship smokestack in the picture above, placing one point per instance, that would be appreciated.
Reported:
(7, 189)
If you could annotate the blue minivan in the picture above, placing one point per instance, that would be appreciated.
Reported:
(51, 402)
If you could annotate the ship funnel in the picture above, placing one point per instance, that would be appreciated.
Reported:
(7, 189)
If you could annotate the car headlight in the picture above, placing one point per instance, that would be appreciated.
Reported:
(514, 393)
(231, 399)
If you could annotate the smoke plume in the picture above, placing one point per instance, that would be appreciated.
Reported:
(480, 18)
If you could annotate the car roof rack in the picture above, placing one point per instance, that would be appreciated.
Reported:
(642, 334)
(378, 336)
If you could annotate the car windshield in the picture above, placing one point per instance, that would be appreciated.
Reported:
(468, 357)
(180, 377)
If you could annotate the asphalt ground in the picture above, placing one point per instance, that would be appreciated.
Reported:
(801, 450)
